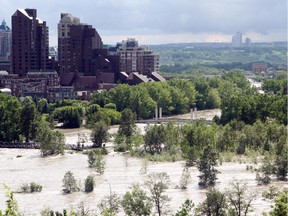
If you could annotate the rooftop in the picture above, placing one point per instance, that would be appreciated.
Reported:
(3, 26)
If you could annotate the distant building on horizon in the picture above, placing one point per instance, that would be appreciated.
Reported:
(247, 42)
(237, 40)
(5, 42)
(30, 42)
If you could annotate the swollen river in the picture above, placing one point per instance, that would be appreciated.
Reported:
(19, 166)
(120, 172)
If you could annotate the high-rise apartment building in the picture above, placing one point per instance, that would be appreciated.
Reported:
(83, 39)
(5, 41)
(64, 48)
(237, 40)
(135, 58)
(76, 42)
(30, 42)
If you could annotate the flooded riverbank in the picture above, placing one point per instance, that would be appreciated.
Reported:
(24, 166)
(20, 166)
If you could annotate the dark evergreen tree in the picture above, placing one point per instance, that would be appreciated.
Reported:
(127, 123)
(206, 167)
(99, 133)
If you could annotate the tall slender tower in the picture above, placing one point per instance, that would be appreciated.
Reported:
(30, 42)
(5, 41)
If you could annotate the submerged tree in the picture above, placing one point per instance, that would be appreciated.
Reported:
(157, 184)
(206, 167)
(99, 133)
(96, 160)
(127, 123)
(89, 183)
(185, 179)
(136, 202)
(51, 142)
(110, 204)
(215, 204)
(69, 183)
(239, 199)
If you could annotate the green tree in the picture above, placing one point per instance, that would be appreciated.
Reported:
(267, 168)
(237, 77)
(280, 205)
(69, 183)
(214, 99)
(51, 142)
(186, 208)
(141, 102)
(71, 116)
(110, 205)
(121, 96)
(99, 134)
(214, 205)
(127, 125)
(96, 160)
(239, 200)
(136, 202)
(154, 139)
(206, 167)
(42, 105)
(160, 93)
(10, 109)
(195, 136)
(29, 122)
(281, 163)
(89, 183)
(185, 179)
(157, 184)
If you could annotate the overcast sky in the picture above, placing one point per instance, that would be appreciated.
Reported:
(165, 21)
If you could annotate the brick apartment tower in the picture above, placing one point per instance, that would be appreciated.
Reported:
(135, 58)
(30, 42)
(76, 42)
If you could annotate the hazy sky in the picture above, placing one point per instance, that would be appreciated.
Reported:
(165, 21)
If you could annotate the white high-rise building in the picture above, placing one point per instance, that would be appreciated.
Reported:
(237, 40)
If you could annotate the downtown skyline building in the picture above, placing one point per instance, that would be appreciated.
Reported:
(5, 41)
(30, 42)
(135, 58)
(237, 40)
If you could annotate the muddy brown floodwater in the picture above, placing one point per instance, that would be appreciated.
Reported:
(19, 166)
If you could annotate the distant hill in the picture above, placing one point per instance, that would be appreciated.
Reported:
(185, 57)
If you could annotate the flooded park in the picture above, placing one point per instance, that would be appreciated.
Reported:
(20, 166)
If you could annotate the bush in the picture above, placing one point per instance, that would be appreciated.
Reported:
(96, 160)
(25, 188)
(33, 187)
(69, 183)
(89, 183)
